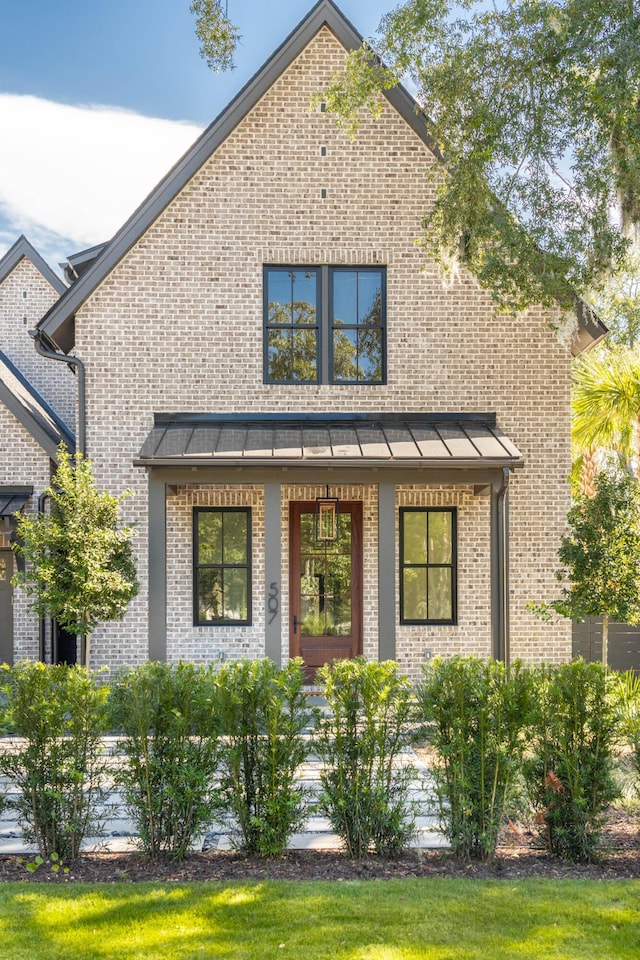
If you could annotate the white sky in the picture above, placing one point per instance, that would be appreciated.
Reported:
(73, 174)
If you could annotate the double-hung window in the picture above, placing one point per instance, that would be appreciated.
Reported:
(324, 324)
(428, 565)
(222, 565)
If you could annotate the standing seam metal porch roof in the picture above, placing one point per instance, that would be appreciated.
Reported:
(414, 439)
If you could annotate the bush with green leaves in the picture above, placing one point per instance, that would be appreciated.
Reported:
(569, 772)
(79, 564)
(365, 785)
(59, 713)
(264, 718)
(475, 713)
(625, 692)
(168, 719)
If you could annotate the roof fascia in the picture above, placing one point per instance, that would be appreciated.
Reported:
(300, 419)
(419, 466)
(22, 250)
(42, 437)
(591, 329)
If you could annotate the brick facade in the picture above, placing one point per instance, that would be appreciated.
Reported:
(177, 326)
(23, 463)
(25, 295)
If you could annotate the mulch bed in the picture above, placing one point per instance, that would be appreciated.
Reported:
(519, 855)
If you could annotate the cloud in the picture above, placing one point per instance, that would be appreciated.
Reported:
(71, 175)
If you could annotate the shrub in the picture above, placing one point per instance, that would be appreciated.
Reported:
(476, 711)
(569, 773)
(264, 716)
(629, 703)
(167, 714)
(59, 713)
(365, 792)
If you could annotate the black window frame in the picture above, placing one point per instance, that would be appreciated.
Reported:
(197, 511)
(324, 322)
(453, 566)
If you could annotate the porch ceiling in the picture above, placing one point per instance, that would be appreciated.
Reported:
(414, 439)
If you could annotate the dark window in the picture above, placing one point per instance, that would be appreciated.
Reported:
(324, 324)
(222, 565)
(427, 565)
(291, 314)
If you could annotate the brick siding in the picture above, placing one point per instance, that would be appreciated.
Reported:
(177, 326)
(25, 296)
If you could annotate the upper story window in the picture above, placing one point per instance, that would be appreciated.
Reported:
(324, 324)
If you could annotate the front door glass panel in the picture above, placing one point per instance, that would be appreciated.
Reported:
(325, 580)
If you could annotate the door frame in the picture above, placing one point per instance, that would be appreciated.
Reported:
(296, 509)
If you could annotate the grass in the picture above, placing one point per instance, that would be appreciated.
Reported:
(447, 919)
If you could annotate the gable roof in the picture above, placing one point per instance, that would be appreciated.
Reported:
(58, 323)
(23, 250)
(34, 413)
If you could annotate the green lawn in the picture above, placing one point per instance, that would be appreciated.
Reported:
(376, 920)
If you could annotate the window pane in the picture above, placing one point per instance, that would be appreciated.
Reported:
(415, 537)
(369, 298)
(345, 355)
(345, 297)
(440, 593)
(209, 537)
(440, 539)
(235, 537)
(235, 594)
(305, 352)
(304, 298)
(279, 296)
(414, 585)
(209, 594)
(370, 355)
(339, 615)
(280, 365)
(291, 297)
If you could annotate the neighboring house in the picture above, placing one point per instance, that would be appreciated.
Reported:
(264, 333)
(37, 410)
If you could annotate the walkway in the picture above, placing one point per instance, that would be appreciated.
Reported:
(118, 833)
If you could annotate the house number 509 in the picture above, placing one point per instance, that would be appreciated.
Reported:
(273, 601)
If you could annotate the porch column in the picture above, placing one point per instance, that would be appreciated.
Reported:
(273, 572)
(500, 567)
(157, 568)
(387, 571)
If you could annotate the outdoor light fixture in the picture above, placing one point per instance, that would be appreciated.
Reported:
(326, 518)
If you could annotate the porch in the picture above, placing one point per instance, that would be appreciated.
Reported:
(385, 471)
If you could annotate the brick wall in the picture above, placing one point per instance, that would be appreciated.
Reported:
(23, 463)
(177, 326)
(25, 296)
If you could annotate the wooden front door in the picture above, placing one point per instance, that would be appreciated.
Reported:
(325, 587)
(6, 607)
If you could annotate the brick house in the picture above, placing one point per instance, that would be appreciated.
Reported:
(37, 412)
(332, 452)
